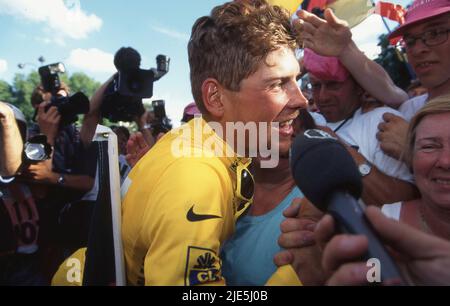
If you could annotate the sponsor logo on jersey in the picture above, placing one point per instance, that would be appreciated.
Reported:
(202, 266)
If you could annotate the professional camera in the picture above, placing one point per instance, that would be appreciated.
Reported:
(68, 107)
(123, 96)
(50, 77)
(37, 149)
(162, 123)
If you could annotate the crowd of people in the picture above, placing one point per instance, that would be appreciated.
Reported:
(215, 214)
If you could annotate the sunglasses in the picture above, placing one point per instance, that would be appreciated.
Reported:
(245, 186)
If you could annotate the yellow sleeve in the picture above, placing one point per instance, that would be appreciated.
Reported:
(284, 276)
(191, 219)
(70, 272)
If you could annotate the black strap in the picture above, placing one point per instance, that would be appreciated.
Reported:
(345, 121)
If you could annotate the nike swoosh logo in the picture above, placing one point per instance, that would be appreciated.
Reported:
(193, 217)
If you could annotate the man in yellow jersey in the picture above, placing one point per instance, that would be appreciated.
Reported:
(181, 200)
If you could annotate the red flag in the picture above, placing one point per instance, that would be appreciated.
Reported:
(394, 12)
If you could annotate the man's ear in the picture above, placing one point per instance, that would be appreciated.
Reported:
(212, 98)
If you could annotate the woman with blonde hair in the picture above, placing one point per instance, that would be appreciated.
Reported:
(428, 154)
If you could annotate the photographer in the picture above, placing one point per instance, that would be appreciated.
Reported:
(120, 97)
(62, 180)
(63, 169)
(10, 142)
(20, 214)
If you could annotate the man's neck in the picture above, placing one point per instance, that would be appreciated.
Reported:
(271, 186)
(440, 90)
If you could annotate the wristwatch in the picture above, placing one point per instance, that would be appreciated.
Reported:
(61, 180)
(365, 168)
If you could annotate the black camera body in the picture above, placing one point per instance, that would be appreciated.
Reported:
(50, 77)
(162, 123)
(68, 107)
(123, 96)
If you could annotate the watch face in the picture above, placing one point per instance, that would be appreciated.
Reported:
(61, 180)
(364, 169)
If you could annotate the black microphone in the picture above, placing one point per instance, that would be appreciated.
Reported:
(327, 175)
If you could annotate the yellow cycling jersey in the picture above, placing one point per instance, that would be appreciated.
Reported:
(176, 213)
(179, 206)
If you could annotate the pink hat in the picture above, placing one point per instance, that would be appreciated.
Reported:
(421, 10)
(324, 67)
(191, 109)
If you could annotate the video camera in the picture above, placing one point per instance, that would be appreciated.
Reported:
(162, 122)
(68, 107)
(123, 96)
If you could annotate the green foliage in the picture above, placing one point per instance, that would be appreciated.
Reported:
(23, 87)
(6, 93)
(19, 93)
(81, 82)
(394, 62)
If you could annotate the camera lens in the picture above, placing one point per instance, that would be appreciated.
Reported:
(35, 152)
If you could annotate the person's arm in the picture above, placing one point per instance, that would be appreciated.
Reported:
(425, 259)
(11, 143)
(42, 173)
(379, 188)
(92, 118)
(332, 37)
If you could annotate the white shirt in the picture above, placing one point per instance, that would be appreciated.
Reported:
(360, 132)
(410, 107)
(392, 210)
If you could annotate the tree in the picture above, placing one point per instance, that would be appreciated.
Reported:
(22, 89)
(19, 93)
(81, 82)
(6, 94)
(394, 62)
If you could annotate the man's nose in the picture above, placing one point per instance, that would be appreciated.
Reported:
(297, 99)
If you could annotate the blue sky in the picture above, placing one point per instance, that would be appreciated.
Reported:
(85, 35)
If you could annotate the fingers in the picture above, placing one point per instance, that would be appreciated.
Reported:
(293, 210)
(309, 211)
(387, 117)
(352, 274)
(342, 249)
(141, 141)
(133, 144)
(311, 18)
(382, 126)
(294, 224)
(283, 258)
(325, 230)
(332, 19)
(296, 239)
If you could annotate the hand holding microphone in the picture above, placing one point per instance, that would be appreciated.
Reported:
(327, 175)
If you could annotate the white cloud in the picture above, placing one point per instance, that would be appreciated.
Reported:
(64, 19)
(366, 35)
(91, 60)
(3, 66)
(171, 33)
